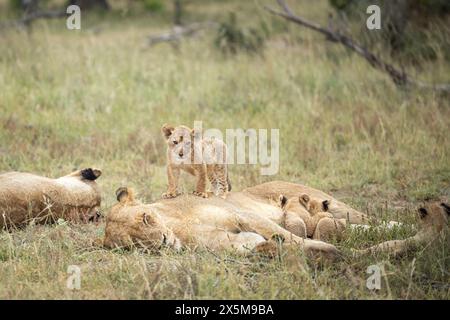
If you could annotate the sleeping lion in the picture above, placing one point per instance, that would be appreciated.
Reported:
(25, 197)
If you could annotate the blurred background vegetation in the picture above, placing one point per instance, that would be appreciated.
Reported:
(407, 25)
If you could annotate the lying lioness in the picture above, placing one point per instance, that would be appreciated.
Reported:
(241, 223)
(190, 221)
(245, 221)
(25, 197)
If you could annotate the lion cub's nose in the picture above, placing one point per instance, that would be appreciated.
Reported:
(180, 153)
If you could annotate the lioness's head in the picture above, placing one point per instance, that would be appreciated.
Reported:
(131, 223)
(314, 206)
(179, 141)
(434, 215)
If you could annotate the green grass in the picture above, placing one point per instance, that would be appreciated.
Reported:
(98, 97)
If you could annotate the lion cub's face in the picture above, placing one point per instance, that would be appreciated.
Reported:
(435, 215)
(179, 142)
(313, 206)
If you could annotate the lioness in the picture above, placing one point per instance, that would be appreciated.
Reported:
(189, 221)
(187, 151)
(25, 196)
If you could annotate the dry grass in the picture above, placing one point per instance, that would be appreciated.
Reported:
(99, 97)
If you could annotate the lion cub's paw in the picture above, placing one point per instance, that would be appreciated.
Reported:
(267, 249)
(201, 194)
(270, 248)
(169, 195)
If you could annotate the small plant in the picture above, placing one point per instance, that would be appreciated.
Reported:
(231, 38)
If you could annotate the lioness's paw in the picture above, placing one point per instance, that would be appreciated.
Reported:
(201, 194)
(169, 195)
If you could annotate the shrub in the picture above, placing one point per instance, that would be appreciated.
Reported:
(232, 38)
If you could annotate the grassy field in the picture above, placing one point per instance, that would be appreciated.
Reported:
(98, 97)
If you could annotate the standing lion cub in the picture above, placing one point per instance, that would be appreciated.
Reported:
(201, 157)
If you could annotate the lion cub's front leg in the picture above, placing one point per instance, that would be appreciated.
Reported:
(200, 172)
(173, 174)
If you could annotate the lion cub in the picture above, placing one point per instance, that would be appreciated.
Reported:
(188, 151)
(326, 226)
(317, 211)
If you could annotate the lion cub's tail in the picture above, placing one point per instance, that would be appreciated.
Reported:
(125, 194)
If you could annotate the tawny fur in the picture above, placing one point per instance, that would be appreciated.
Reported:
(270, 191)
(205, 158)
(319, 224)
(269, 210)
(25, 197)
(329, 228)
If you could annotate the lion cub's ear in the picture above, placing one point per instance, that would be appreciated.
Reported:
(283, 201)
(326, 205)
(167, 130)
(304, 199)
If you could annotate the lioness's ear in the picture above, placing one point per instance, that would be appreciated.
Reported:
(446, 208)
(167, 130)
(304, 199)
(326, 205)
(90, 173)
(123, 194)
(423, 213)
(283, 201)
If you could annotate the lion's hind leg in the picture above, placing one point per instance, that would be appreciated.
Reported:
(217, 175)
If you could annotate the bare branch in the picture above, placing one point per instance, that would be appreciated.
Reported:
(399, 77)
(35, 15)
(42, 15)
